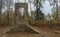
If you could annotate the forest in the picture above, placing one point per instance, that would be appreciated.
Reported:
(37, 16)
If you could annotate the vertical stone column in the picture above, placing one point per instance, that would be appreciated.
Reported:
(26, 13)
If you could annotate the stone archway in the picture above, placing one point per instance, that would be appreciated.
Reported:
(21, 24)
(22, 11)
(18, 14)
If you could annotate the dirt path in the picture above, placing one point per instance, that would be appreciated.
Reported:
(45, 32)
(49, 32)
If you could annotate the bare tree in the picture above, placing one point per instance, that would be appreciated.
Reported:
(0, 9)
(8, 4)
(0, 5)
(30, 5)
(38, 6)
(56, 3)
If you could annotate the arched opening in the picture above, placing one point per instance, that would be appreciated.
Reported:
(21, 10)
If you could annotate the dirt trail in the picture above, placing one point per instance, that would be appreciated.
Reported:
(45, 32)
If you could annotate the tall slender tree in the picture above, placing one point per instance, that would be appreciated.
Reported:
(56, 3)
(8, 4)
(0, 6)
(0, 9)
(38, 6)
(57, 8)
(30, 5)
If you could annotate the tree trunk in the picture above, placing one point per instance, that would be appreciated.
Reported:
(0, 9)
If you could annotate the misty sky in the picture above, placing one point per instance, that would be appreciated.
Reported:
(46, 7)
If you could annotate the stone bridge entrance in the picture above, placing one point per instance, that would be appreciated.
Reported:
(21, 12)
(21, 20)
